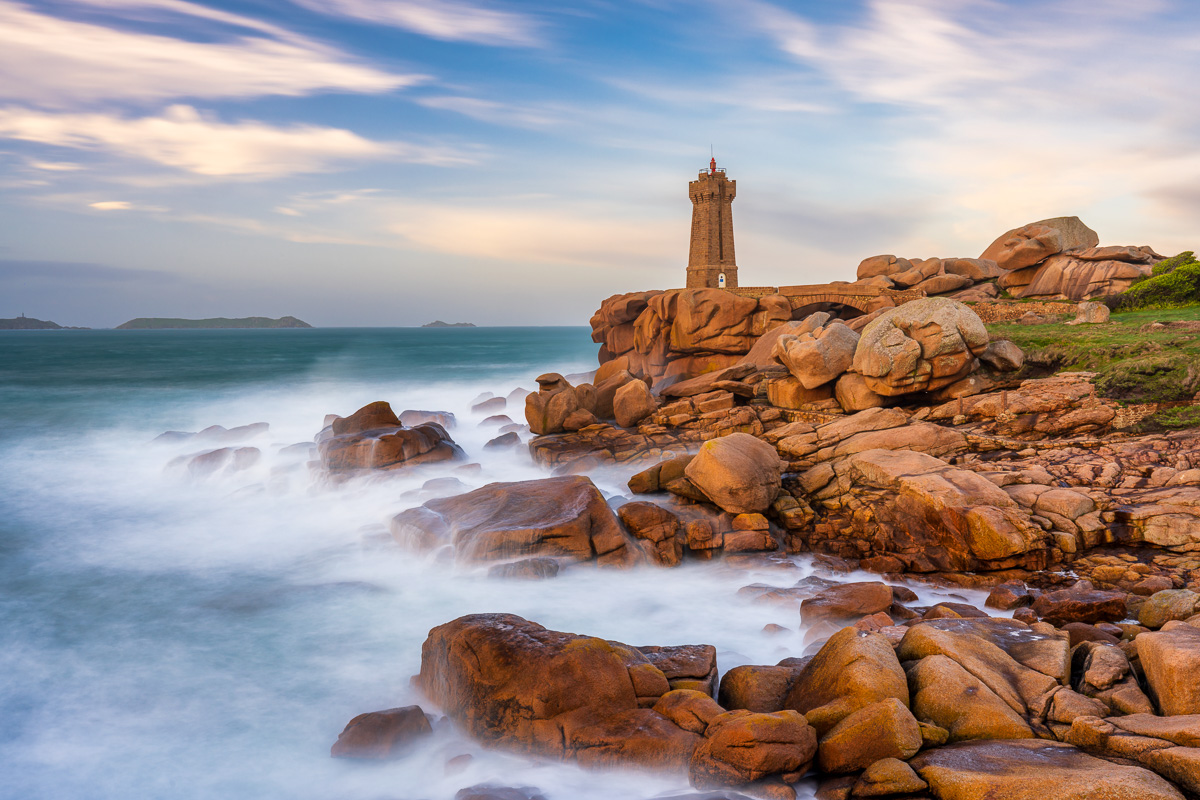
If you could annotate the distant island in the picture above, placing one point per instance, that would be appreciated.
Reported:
(24, 323)
(168, 323)
(437, 323)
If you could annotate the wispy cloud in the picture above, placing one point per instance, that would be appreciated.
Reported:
(53, 61)
(588, 237)
(448, 20)
(1011, 118)
(495, 112)
(185, 139)
(111, 205)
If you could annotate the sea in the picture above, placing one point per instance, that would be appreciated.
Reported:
(166, 634)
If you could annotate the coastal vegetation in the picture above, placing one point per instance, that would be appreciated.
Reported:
(1140, 356)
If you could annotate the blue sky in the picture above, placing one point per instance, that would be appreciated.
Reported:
(388, 162)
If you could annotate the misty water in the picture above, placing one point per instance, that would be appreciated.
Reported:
(166, 636)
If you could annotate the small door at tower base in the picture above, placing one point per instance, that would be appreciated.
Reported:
(721, 281)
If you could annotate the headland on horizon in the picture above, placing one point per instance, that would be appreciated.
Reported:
(171, 323)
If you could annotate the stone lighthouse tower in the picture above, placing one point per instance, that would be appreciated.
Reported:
(711, 264)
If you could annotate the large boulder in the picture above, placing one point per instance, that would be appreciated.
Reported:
(739, 473)
(512, 683)
(564, 517)
(1064, 276)
(920, 346)
(854, 669)
(632, 403)
(917, 508)
(374, 438)
(1033, 243)
(882, 265)
(1170, 659)
(761, 354)
(743, 746)
(548, 409)
(1033, 770)
(1022, 668)
(881, 730)
(945, 694)
(820, 356)
(682, 333)
(382, 735)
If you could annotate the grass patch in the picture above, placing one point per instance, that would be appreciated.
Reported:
(1172, 419)
(1133, 365)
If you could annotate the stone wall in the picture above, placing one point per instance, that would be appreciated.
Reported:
(1002, 311)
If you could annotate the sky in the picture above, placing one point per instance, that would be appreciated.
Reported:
(389, 162)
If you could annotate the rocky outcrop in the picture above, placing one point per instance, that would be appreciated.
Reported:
(920, 346)
(1033, 770)
(738, 473)
(380, 735)
(1059, 259)
(818, 356)
(683, 332)
(512, 683)
(922, 512)
(373, 438)
(557, 517)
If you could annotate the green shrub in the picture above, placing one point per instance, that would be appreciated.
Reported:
(1168, 266)
(1172, 419)
(1173, 283)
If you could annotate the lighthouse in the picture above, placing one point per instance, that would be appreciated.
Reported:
(711, 263)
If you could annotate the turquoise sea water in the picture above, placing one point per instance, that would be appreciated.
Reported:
(164, 635)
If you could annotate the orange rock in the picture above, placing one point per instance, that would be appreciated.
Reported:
(381, 734)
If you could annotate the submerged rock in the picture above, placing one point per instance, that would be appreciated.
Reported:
(564, 517)
(382, 734)
(515, 684)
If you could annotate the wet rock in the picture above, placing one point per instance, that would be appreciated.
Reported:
(503, 442)
(757, 688)
(411, 418)
(1080, 603)
(547, 409)
(657, 528)
(686, 666)
(1033, 770)
(739, 473)
(512, 683)
(1003, 355)
(493, 405)
(743, 746)
(563, 517)
(489, 791)
(531, 569)
(881, 730)
(847, 600)
(1009, 595)
(689, 709)
(373, 438)
(920, 346)
(382, 734)
(852, 670)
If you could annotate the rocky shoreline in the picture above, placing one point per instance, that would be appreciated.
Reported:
(907, 442)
